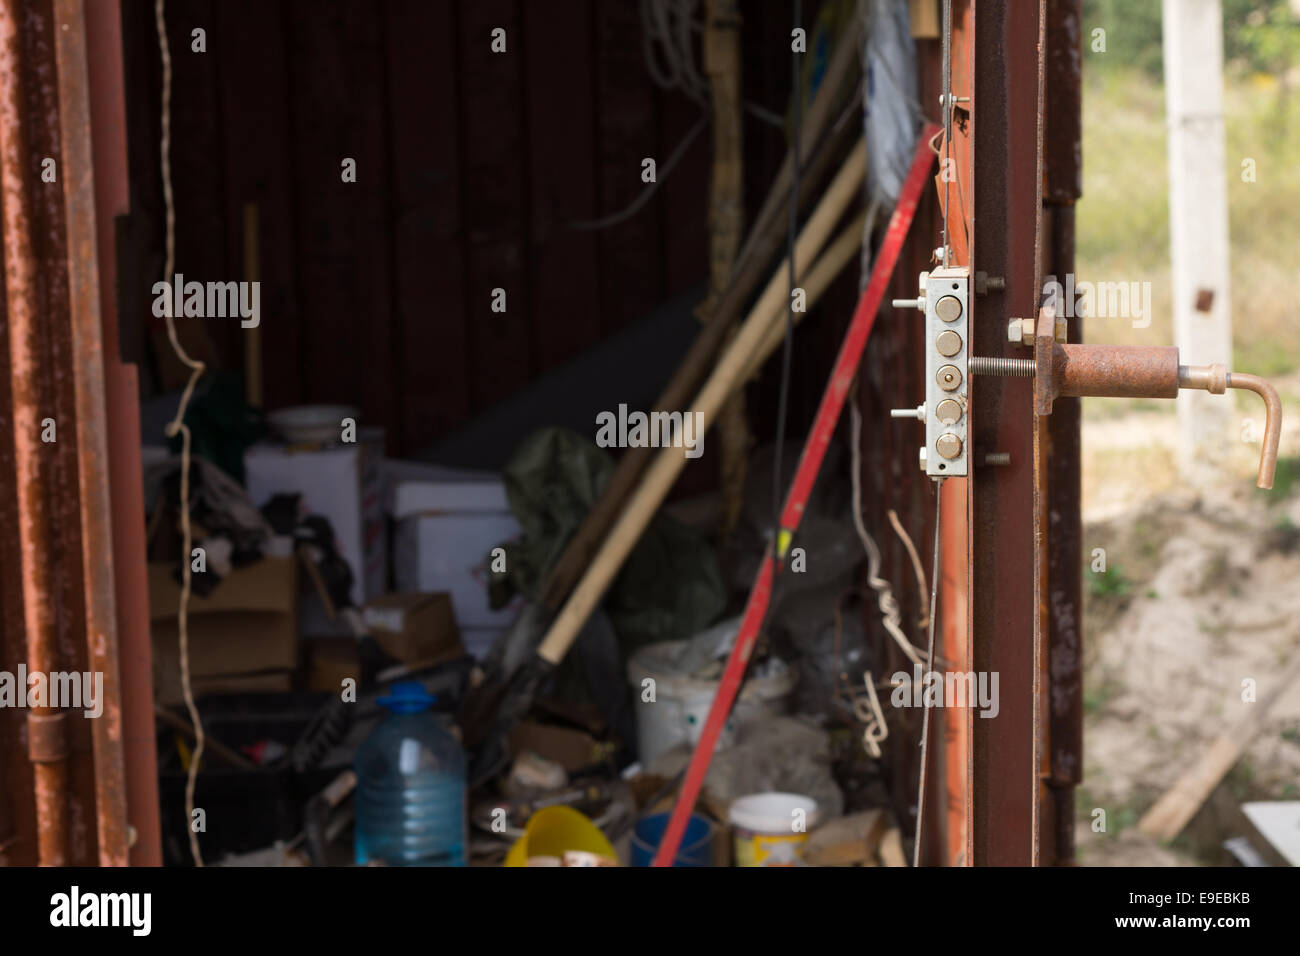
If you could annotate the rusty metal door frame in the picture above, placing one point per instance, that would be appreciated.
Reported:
(1023, 531)
(83, 790)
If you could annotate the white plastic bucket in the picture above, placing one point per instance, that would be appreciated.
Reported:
(770, 829)
(673, 716)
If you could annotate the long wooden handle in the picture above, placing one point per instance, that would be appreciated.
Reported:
(764, 240)
(842, 250)
(730, 371)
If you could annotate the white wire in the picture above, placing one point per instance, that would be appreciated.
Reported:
(669, 47)
(889, 613)
(178, 426)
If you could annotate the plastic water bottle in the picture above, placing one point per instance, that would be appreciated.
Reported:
(410, 803)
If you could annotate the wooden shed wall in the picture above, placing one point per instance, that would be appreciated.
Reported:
(470, 167)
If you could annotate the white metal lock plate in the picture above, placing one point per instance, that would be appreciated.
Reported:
(947, 372)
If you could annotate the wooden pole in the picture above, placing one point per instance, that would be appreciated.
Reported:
(1198, 221)
(726, 220)
(730, 371)
(764, 240)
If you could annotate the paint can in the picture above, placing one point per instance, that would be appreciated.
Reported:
(770, 829)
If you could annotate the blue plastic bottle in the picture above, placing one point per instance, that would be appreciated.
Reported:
(410, 803)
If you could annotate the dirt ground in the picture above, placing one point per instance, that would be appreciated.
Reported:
(1199, 591)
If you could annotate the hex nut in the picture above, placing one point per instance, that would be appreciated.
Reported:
(1020, 331)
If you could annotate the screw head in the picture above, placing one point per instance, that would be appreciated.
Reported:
(948, 377)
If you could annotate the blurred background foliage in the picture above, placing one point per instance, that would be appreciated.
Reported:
(1123, 218)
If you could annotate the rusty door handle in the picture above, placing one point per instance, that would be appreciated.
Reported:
(1123, 371)
(1215, 379)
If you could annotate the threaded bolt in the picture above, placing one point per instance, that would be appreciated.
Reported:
(1002, 367)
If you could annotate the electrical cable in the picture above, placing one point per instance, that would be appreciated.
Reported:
(661, 176)
(890, 615)
(947, 123)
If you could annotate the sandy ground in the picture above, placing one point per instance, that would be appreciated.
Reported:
(1201, 592)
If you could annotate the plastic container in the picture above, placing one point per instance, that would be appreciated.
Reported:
(553, 831)
(696, 848)
(770, 829)
(410, 803)
(681, 703)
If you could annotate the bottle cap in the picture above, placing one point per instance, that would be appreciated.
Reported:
(407, 697)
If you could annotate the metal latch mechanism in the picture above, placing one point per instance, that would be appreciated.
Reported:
(1058, 369)
(944, 297)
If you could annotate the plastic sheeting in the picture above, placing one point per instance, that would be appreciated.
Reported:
(890, 109)
(670, 588)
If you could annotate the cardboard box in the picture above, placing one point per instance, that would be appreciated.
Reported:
(331, 660)
(343, 483)
(449, 552)
(571, 749)
(448, 521)
(416, 488)
(414, 627)
(243, 636)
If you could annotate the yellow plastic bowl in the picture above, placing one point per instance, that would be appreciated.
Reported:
(553, 831)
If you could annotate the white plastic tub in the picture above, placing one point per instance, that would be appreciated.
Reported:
(681, 703)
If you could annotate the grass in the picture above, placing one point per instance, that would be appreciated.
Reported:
(1123, 218)
(1098, 693)
(1284, 479)
(1118, 817)
(1109, 583)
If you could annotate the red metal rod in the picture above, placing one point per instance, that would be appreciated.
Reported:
(810, 462)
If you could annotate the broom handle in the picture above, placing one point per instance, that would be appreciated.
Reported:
(727, 376)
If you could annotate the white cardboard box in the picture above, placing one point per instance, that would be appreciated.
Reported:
(344, 484)
(417, 488)
(448, 551)
(448, 521)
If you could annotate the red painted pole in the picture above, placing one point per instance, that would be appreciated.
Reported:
(810, 462)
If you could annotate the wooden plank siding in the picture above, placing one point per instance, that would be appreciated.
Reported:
(471, 167)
